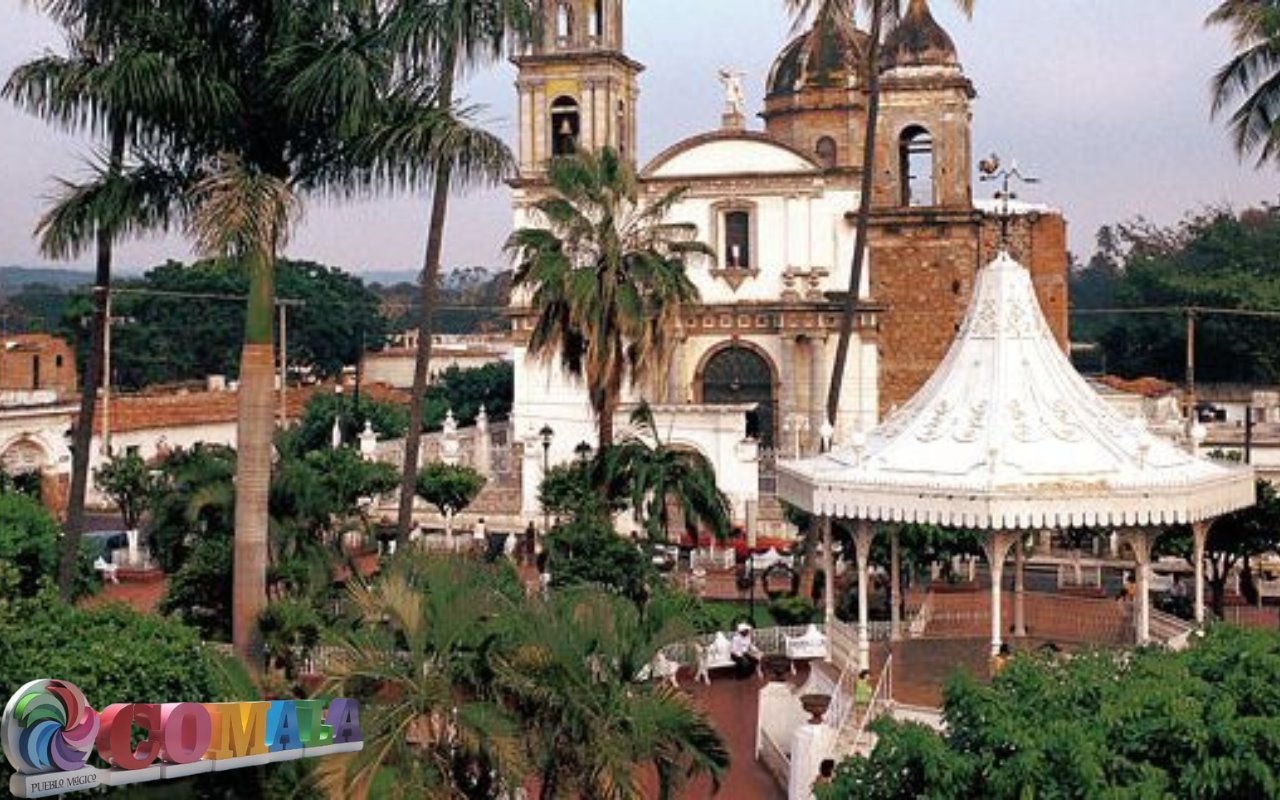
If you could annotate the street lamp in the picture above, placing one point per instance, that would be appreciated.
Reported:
(546, 435)
(583, 451)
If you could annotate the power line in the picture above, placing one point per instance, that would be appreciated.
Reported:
(1179, 310)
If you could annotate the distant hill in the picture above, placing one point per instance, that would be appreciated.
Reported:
(12, 278)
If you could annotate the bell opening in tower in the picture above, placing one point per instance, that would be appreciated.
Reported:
(915, 154)
(566, 124)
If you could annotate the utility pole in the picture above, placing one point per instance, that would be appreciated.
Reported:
(1191, 369)
(106, 382)
(284, 363)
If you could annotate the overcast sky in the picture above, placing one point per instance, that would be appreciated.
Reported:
(1106, 101)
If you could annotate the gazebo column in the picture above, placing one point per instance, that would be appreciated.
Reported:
(862, 544)
(1199, 535)
(828, 573)
(1140, 540)
(997, 546)
(895, 586)
(1019, 588)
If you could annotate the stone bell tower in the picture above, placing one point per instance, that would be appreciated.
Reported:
(577, 88)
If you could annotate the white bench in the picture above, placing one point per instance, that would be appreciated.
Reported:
(715, 655)
(660, 668)
(109, 571)
(809, 646)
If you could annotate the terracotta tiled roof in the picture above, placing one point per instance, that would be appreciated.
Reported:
(1147, 387)
(158, 410)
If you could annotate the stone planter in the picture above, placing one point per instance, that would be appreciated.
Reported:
(816, 706)
(776, 668)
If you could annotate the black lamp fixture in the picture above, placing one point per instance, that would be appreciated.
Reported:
(583, 451)
(546, 435)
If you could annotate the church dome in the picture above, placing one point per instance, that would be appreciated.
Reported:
(918, 41)
(828, 55)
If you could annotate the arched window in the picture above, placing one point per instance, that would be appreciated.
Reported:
(737, 374)
(826, 151)
(915, 167)
(564, 24)
(566, 124)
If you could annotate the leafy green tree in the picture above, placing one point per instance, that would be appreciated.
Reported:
(184, 321)
(291, 629)
(194, 499)
(448, 487)
(111, 653)
(199, 593)
(464, 391)
(130, 484)
(1251, 77)
(607, 277)
(1216, 258)
(1150, 723)
(571, 490)
(586, 550)
(654, 476)
(28, 541)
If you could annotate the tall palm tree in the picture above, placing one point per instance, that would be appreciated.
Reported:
(883, 14)
(107, 84)
(657, 475)
(1252, 76)
(607, 276)
(449, 37)
(571, 674)
(421, 656)
(305, 97)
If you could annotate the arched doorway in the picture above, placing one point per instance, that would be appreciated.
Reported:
(740, 374)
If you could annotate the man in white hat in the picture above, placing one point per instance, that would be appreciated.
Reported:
(743, 652)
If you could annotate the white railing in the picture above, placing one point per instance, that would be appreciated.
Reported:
(920, 622)
(774, 758)
(881, 700)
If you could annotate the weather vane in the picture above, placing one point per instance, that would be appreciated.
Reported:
(991, 170)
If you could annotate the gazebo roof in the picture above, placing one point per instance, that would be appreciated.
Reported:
(1007, 435)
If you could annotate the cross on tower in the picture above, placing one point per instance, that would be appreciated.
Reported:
(991, 170)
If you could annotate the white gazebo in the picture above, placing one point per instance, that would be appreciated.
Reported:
(1007, 438)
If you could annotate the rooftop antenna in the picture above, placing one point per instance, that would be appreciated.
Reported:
(990, 169)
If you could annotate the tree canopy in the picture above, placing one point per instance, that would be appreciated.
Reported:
(1215, 259)
(1202, 723)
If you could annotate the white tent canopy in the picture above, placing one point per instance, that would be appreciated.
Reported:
(1006, 435)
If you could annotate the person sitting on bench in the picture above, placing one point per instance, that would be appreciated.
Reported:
(743, 652)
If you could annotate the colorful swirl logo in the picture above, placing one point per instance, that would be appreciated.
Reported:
(48, 726)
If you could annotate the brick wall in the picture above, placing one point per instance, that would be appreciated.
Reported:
(923, 264)
(37, 361)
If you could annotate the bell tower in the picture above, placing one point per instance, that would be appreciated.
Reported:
(577, 88)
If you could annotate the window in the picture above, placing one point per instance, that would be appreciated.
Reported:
(564, 24)
(566, 124)
(826, 151)
(57, 361)
(737, 240)
(621, 123)
(597, 21)
(915, 166)
(35, 372)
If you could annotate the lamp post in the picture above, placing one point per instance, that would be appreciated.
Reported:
(583, 451)
(546, 435)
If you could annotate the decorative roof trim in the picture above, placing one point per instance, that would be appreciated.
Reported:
(712, 137)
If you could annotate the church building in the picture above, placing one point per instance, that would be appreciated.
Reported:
(778, 205)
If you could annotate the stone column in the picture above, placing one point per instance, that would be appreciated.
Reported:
(862, 542)
(996, 546)
(481, 458)
(1019, 589)
(1140, 541)
(828, 573)
(1199, 535)
(895, 586)
(809, 746)
(818, 375)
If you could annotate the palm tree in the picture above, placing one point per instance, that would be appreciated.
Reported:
(570, 672)
(656, 475)
(607, 277)
(844, 12)
(450, 37)
(107, 84)
(421, 656)
(1252, 76)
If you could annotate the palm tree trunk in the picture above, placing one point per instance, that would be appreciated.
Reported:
(864, 214)
(256, 423)
(430, 294)
(82, 438)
